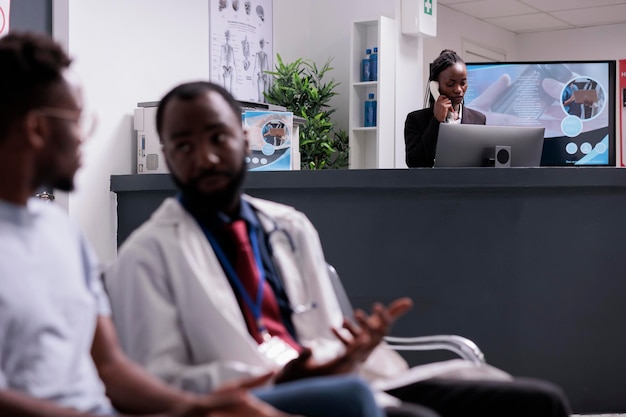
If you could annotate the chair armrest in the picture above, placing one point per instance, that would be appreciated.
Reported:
(462, 346)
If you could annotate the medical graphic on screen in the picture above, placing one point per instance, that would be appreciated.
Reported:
(573, 101)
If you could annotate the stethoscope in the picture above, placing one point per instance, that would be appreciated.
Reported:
(276, 230)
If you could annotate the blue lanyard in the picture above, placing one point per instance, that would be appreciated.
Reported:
(255, 306)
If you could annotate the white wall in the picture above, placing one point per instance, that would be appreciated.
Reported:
(331, 39)
(126, 52)
(453, 28)
(606, 42)
(409, 85)
(292, 28)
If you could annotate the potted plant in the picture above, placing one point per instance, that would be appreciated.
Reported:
(300, 87)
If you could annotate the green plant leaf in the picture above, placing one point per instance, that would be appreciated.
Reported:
(300, 87)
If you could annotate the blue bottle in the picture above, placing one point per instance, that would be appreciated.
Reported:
(365, 66)
(374, 65)
(370, 111)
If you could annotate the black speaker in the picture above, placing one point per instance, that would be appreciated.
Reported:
(503, 157)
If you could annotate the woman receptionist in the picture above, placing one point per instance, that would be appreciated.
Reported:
(447, 86)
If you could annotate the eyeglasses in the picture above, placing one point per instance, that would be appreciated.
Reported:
(86, 121)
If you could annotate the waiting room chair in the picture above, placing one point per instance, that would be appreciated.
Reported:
(463, 347)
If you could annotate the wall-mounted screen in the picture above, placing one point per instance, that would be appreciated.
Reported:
(573, 101)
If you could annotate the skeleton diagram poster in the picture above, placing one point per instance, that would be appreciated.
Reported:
(241, 47)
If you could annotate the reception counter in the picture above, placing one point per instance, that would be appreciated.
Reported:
(527, 262)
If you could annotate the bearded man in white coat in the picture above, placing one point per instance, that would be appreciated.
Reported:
(184, 310)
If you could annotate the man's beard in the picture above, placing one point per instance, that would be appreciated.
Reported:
(47, 178)
(220, 200)
(64, 184)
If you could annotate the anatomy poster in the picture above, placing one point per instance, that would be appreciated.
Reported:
(241, 47)
(5, 7)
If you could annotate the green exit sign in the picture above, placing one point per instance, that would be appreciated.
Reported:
(428, 7)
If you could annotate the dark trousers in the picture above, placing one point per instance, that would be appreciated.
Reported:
(459, 398)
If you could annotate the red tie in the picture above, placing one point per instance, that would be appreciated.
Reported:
(249, 275)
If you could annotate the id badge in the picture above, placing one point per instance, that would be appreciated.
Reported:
(277, 349)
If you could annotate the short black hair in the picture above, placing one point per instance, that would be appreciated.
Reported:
(190, 91)
(446, 59)
(30, 64)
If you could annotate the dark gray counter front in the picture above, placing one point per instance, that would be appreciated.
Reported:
(525, 262)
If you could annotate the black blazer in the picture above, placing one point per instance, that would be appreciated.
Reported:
(420, 134)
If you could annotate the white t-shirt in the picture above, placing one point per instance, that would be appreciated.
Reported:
(50, 297)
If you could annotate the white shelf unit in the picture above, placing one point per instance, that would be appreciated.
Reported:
(373, 147)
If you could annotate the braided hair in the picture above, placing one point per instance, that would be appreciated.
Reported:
(446, 59)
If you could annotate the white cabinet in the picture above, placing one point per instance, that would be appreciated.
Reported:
(373, 147)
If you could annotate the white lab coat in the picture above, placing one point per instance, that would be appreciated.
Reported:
(177, 315)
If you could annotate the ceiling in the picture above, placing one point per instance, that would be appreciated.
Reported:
(524, 16)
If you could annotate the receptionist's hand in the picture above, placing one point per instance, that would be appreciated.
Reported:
(443, 105)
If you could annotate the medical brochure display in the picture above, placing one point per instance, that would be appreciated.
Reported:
(371, 145)
(273, 136)
(273, 143)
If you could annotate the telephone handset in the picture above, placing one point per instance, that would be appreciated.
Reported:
(434, 89)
